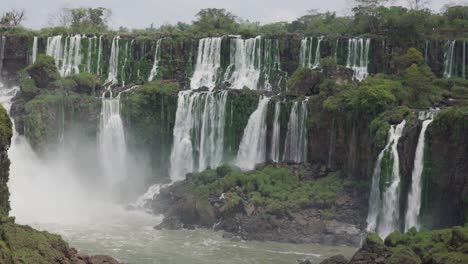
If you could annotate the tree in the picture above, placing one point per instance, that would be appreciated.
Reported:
(82, 19)
(216, 21)
(12, 18)
(418, 4)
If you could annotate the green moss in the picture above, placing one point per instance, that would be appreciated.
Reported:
(403, 255)
(22, 244)
(375, 239)
(386, 169)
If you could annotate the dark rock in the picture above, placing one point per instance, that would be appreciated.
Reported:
(338, 259)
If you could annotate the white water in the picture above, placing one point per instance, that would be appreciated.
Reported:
(414, 196)
(448, 58)
(114, 61)
(295, 147)
(113, 150)
(34, 50)
(98, 70)
(199, 128)
(275, 137)
(67, 56)
(384, 208)
(208, 63)
(358, 57)
(157, 57)
(309, 58)
(245, 67)
(252, 148)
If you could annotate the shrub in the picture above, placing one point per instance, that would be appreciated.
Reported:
(43, 71)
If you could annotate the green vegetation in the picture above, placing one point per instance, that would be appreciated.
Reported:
(437, 246)
(271, 190)
(43, 71)
(304, 81)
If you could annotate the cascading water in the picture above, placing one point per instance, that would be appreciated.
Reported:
(114, 61)
(157, 57)
(198, 132)
(208, 63)
(245, 67)
(89, 56)
(384, 207)
(414, 196)
(34, 50)
(275, 137)
(448, 59)
(295, 147)
(98, 67)
(308, 57)
(252, 149)
(358, 57)
(113, 150)
(54, 49)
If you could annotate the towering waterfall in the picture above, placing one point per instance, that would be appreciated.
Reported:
(112, 144)
(157, 57)
(67, 57)
(114, 61)
(295, 147)
(384, 207)
(448, 59)
(34, 50)
(275, 136)
(252, 149)
(414, 196)
(308, 57)
(89, 56)
(208, 63)
(198, 132)
(358, 57)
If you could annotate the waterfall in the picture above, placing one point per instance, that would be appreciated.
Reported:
(54, 49)
(34, 50)
(383, 213)
(124, 65)
(464, 60)
(358, 57)
(275, 137)
(414, 196)
(426, 52)
(112, 144)
(89, 57)
(67, 56)
(114, 61)
(448, 59)
(198, 132)
(244, 70)
(2, 53)
(252, 148)
(208, 63)
(309, 58)
(295, 147)
(98, 70)
(157, 57)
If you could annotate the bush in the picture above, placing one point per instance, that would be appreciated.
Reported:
(43, 71)
(86, 83)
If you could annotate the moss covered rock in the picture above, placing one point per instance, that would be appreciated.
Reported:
(43, 71)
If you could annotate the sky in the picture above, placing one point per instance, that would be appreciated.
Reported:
(141, 13)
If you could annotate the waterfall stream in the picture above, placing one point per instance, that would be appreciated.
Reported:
(295, 148)
(275, 137)
(308, 57)
(358, 57)
(448, 59)
(208, 63)
(414, 196)
(384, 206)
(198, 132)
(252, 148)
(157, 57)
